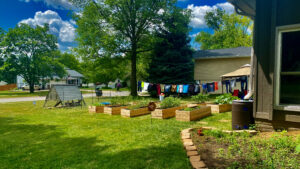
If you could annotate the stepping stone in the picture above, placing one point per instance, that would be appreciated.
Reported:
(195, 158)
(202, 122)
(186, 130)
(192, 153)
(186, 136)
(198, 164)
(191, 148)
(188, 144)
(224, 121)
(187, 140)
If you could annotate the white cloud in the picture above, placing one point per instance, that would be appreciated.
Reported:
(64, 30)
(58, 4)
(198, 13)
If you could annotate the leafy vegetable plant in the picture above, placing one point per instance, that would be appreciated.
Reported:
(200, 98)
(170, 102)
(225, 99)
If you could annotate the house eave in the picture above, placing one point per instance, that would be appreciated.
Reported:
(244, 7)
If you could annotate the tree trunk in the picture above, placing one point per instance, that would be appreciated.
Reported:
(31, 87)
(133, 81)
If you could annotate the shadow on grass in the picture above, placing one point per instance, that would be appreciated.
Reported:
(47, 146)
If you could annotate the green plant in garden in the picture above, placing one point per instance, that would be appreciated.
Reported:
(225, 99)
(121, 101)
(140, 104)
(200, 98)
(191, 108)
(98, 104)
(278, 151)
(170, 102)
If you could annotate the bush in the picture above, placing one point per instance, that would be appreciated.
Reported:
(170, 102)
(225, 99)
(200, 98)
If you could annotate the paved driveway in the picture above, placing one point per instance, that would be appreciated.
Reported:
(37, 98)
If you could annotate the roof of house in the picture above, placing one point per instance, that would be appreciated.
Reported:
(223, 53)
(244, 7)
(73, 73)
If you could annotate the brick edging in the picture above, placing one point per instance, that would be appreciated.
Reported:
(191, 150)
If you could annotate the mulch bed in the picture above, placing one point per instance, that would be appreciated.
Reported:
(208, 148)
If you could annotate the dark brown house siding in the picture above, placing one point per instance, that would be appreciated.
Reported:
(269, 15)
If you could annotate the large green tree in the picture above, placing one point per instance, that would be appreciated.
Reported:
(229, 31)
(69, 60)
(95, 48)
(126, 25)
(7, 73)
(172, 56)
(29, 52)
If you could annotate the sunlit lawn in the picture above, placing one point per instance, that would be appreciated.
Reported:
(14, 94)
(34, 137)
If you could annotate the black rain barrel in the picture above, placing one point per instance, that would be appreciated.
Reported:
(242, 114)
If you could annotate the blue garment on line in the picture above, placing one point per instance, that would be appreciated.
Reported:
(210, 87)
(185, 88)
(177, 89)
(167, 88)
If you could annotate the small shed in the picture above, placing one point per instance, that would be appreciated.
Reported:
(243, 71)
(240, 75)
(66, 95)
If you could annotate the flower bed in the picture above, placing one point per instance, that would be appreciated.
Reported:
(135, 112)
(241, 150)
(194, 113)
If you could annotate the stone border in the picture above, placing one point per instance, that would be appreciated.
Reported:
(191, 149)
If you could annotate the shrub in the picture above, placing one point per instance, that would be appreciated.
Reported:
(170, 102)
(200, 98)
(225, 99)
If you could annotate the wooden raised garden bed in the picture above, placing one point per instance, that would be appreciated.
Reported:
(113, 110)
(198, 113)
(220, 108)
(96, 109)
(135, 112)
(196, 104)
(165, 113)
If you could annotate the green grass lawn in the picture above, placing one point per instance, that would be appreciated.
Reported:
(14, 94)
(34, 137)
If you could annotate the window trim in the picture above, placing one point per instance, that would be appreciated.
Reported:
(277, 71)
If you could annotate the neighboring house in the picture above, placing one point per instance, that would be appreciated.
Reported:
(210, 65)
(72, 77)
(276, 65)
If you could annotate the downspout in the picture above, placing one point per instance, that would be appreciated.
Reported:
(251, 91)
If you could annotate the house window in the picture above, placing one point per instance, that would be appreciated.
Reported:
(288, 66)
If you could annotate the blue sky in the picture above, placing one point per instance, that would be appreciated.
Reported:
(58, 14)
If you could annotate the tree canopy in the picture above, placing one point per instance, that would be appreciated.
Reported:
(124, 27)
(229, 31)
(27, 51)
(172, 55)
